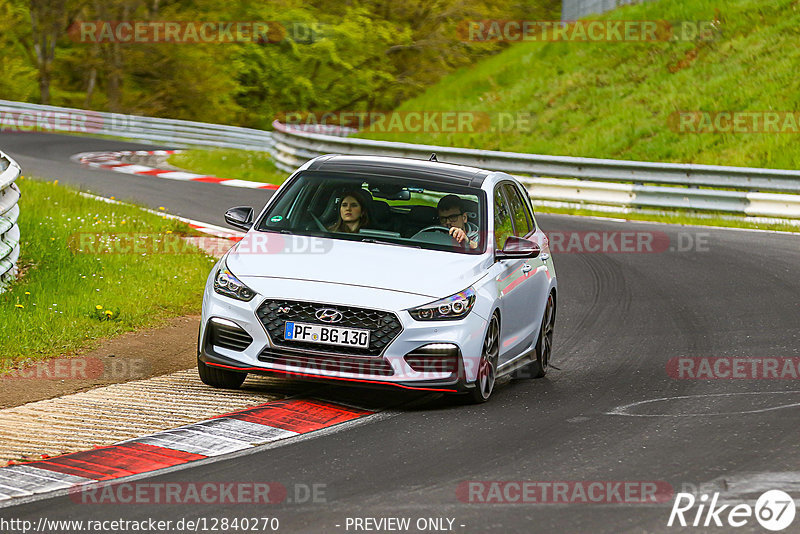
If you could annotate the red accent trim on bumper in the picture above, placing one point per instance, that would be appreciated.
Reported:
(323, 377)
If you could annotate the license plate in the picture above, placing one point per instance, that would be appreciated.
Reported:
(327, 335)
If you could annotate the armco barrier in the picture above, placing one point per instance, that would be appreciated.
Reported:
(9, 213)
(628, 185)
(616, 185)
(21, 116)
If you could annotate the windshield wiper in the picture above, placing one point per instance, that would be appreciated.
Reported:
(378, 242)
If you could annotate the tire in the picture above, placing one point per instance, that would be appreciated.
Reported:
(219, 378)
(487, 366)
(544, 346)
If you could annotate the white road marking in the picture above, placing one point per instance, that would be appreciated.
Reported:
(132, 169)
(179, 175)
(243, 183)
(241, 430)
(113, 161)
(624, 410)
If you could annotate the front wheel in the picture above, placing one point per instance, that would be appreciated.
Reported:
(487, 366)
(219, 378)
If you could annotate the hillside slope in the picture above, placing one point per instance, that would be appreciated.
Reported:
(616, 99)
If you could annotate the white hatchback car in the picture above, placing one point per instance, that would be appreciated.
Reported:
(383, 272)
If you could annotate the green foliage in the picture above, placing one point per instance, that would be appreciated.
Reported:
(346, 64)
(365, 54)
(18, 79)
(52, 307)
(616, 99)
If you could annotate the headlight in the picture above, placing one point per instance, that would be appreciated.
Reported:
(453, 307)
(230, 286)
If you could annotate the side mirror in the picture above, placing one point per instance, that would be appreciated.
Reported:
(518, 248)
(240, 217)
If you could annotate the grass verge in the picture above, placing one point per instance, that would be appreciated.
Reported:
(230, 163)
(617, 99)
(64, 299)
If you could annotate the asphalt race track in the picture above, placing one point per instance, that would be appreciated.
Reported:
(47, 156)
(621, 318)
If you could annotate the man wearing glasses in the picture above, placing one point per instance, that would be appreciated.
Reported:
(452, 216)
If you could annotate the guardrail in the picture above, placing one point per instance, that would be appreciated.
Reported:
(606, 184)
(21, 116)
(9, 213)
(593, 183)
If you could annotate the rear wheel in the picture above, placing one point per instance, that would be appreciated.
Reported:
(544, 346)
(487, 366)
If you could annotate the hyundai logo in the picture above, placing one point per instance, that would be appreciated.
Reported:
(328, 315)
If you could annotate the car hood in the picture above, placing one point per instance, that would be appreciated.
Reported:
(428, 273)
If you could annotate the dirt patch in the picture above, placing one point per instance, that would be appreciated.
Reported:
(132, 356)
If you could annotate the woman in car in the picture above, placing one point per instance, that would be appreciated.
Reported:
(352, 213)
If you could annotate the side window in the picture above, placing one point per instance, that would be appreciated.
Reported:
(519, 211)
(502, 219)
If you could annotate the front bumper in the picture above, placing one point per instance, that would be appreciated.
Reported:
(389, 369)
(453, 385)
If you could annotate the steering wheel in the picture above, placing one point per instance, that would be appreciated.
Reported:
(319, 224)
(446, 230)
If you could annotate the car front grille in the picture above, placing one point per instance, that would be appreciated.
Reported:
(383, 326)
(329, 364)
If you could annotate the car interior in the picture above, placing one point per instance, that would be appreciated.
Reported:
(394, 211)
(404, 220)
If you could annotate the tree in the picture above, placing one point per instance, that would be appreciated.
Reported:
(18, 79)
(349, 56)
(49, 22)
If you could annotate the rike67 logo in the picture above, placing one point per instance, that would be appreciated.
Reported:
(774, 510)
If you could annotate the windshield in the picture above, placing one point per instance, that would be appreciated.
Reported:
(379, 209)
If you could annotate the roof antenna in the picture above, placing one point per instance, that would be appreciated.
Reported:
(433, 157)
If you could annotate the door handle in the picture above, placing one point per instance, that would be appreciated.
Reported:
(545, 256)
(526, 268)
